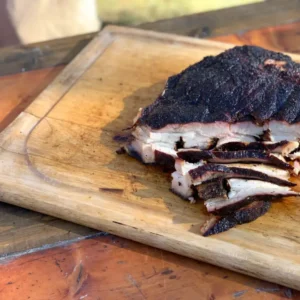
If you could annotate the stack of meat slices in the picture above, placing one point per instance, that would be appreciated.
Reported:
(236, 186)
(229, 128)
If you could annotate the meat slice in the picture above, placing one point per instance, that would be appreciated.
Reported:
(211, 171)
(194, 155)
(283, 147)
(241, 190)
(182, 181)
(296, 169)
(235, 139)
(147, 152)
(295, 155)
(246, 214)
(266, 169)
(164, 159)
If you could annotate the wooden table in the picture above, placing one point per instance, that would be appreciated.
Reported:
(74, 262)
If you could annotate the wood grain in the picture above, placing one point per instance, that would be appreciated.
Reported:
(17, 99)
(116, 268)
(278, 38)
(69, 153)
(21, 229)
(21, 58)
(230, 20)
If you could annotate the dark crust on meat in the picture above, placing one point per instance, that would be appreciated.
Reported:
(195, 155)
(229, 209)
(258, 146)
(243, 215)
(165, 160)
(213, 189)
(239, 84)
(232, 207)
(213, 170)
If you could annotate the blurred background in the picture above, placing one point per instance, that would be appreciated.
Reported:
(133, 12)
(30, 21)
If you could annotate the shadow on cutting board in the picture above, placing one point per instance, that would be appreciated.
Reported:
(156, 181)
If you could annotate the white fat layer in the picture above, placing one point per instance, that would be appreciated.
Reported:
(241, 189)
(147, 151)
(286, 149)
(296, 169)
(284, 129)
(235, 138)
(294, 156)
(144, 150)
(247, 128)
(184, 167)
(181, 185)
(289, 147)
(215, 129)
(201, 135)
(223, 129)
(279, 130)
(278, 138)
(266, 169)
(181, 180)
(189, 143)
(164, 149)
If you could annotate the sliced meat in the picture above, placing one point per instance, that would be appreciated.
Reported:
(194, 155)
(226, 125)
(295, 155)
(146, 152)
(211, 171)
(181, 180)
(241, 189)
(288, 148)
(229, 209)
(184, 167)
(216, 189)
(296, 169)
(223, 143)
(181, 185)
(246, 214)
(266, 169)
(282, 147)
(164, 159)
(280, 131)
(248, 128)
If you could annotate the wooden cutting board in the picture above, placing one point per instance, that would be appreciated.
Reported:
(58, 157)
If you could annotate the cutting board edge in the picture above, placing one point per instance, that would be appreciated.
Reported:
(170, 37)
(233, 257)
